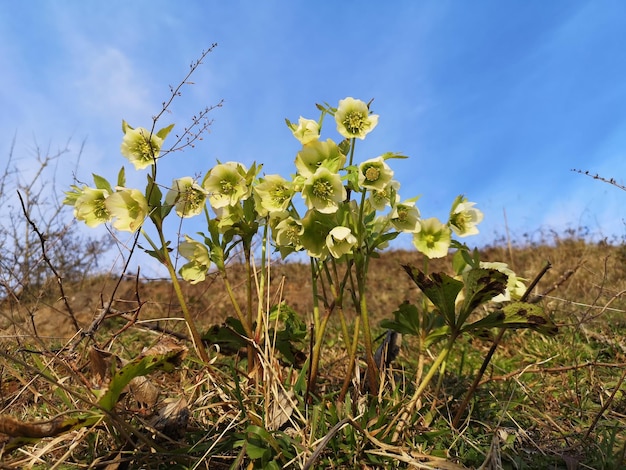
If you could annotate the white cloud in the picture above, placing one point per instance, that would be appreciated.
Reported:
(109, 86)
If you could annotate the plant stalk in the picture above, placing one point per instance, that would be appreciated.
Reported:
(422, 387)
(191, 325)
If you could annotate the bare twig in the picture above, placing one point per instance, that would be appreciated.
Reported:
(42, 240)
(596, 176)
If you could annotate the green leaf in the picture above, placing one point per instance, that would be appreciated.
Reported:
(228, 336)
(406, 320)
(158, 254)
(256, 452)
(294, 332)
(154, 196)
(385, 237)
(440, 289)
(344, 146)
(126, 127)
(160, 357)
(32, 432)
(102, 183)
(256, 436)
(459, 261)
(390, 155)
(121, 177)
(437, 334)
(352, 177)
(481, 285)
(153, 193)
(517, 315)
(162, 133)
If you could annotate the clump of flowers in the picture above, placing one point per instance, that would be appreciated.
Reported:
(339, 211)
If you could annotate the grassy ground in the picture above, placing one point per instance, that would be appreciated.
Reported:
(544, 402)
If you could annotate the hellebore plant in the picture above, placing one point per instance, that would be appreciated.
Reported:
(339, 212)
(128, 209)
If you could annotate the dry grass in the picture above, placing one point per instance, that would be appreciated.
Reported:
(544, 403)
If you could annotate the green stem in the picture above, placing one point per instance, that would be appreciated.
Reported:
(260, 310)
(360, 227)
(195, 335)
(352, 146)
(316, 350)
(351, 364)
(372, 368)
(422, 387)
(249, 274)
(233, 300)
(316, 307)
(247, 254)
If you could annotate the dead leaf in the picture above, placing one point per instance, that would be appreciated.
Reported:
(280, 410)
(145, 393)
(172, 418)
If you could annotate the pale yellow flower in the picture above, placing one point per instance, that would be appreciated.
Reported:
(140, 146)
(315, 228)
(375, 174)
(90, 207)
(323, 191)
(464, 217)
(379, 199)
(187, 196)
(273, 194)
(434, 238)
(128, 207)
(354, 119)
(340, 241)
(226, 184)
(317, 154)
(199, 261)
(288, 233)
(405, 217)
(306, 131)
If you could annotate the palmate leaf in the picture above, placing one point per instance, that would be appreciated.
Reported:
(230, 336)
(440, 289)
(406, 320)
(516, 315)
(481, 285)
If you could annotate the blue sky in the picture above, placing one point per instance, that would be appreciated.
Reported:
(495, 100)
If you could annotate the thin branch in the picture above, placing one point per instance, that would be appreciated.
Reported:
(596, 176)
(42, 241)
